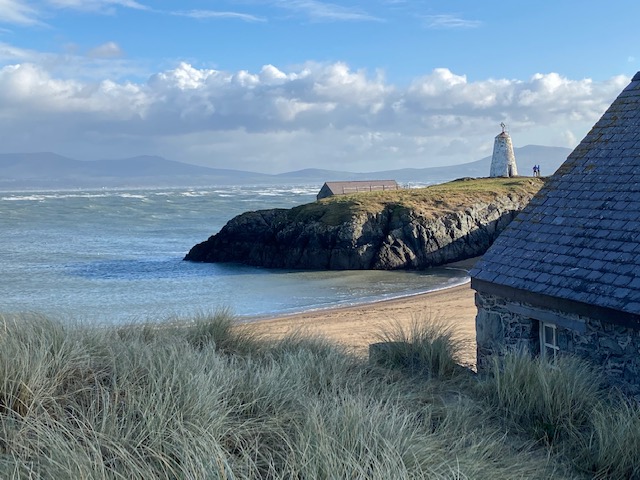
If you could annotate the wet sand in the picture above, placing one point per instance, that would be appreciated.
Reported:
(358, 326)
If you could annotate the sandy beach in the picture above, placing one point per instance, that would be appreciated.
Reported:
(358, 326)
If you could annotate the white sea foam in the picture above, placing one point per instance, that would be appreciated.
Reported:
(199, 193)
(133, 195)
(27, 198)
(53, 196)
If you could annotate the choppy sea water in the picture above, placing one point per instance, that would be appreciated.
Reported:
(115, 256)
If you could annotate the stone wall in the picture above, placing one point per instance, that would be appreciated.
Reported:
(501, 326)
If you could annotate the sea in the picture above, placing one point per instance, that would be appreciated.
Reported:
(115, 256)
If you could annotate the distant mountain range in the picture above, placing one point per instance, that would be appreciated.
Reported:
(49, 170)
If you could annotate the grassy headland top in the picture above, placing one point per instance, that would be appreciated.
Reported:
(428, 201)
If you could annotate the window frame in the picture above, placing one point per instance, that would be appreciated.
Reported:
(549, 345)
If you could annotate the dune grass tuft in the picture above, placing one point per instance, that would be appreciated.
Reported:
(610, 448)
(426, 347)
(548, 401)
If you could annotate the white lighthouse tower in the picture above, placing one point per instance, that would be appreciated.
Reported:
(503, 161)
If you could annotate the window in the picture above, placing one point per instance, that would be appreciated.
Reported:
(549, 341)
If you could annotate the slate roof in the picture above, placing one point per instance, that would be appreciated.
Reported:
(343, 188)
(338, 188)
(579, 237)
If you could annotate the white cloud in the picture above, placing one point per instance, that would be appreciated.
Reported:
(105, 6)
(325, 12)
(25, 13)
(106, 50)
(18, 12)
(566, 138)
(337, 83)
(270, 75)
(28, 87)
(10, 53)
(213, 14)
(323, 115)
(449, 22)
(99, 63)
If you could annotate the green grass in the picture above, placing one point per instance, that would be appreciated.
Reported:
(428, 201)
(203, 399)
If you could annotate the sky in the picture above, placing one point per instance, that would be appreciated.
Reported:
(279, 85)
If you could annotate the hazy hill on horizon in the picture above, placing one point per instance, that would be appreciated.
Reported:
(50, 170)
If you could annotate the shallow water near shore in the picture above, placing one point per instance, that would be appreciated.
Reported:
(115, 256)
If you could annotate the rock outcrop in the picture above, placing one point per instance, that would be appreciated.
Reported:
(391, 230)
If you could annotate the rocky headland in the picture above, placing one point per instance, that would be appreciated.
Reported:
(404, 229)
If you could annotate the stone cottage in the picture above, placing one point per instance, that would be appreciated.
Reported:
(565, 275)
(330, 189)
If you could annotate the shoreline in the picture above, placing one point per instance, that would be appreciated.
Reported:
(357, 326)
(313, 311)
(464, 265)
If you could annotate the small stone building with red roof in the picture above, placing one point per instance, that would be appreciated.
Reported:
(564, 277)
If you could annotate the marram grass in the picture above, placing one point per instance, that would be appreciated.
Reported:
(425, 347)
(548, 401)
(204, 400)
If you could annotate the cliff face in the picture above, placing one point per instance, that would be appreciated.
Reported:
(394, 231)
